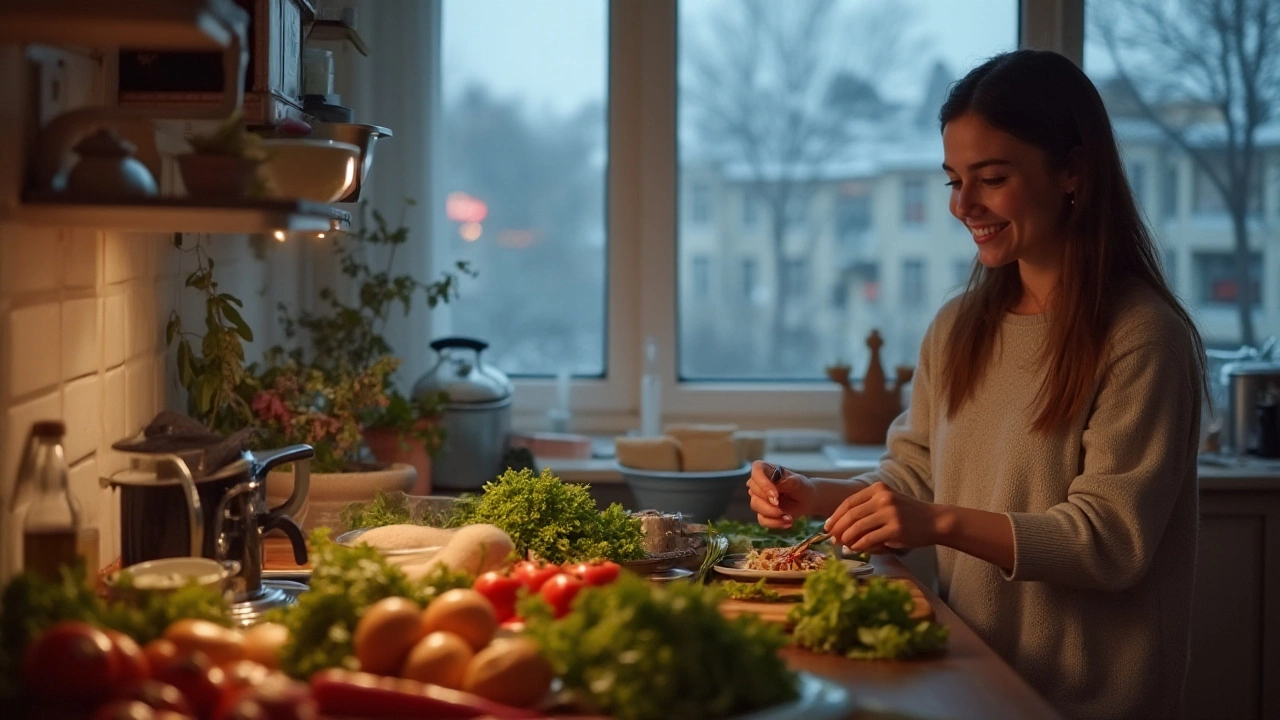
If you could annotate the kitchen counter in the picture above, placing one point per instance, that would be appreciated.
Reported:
(969, 681)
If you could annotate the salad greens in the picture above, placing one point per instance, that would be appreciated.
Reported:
(861, 620)
(641, 653)
(384, 509)
(749, 591)
(744, 536)
(346, 580)
(553, 520)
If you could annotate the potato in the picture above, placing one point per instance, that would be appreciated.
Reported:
(263, 642)
(511, 671)
(476, 549)
(464, 612)
(386, 633)
(440, 658)
(223, 645)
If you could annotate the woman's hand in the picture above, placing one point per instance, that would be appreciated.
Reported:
(879, 517)
(778, 504)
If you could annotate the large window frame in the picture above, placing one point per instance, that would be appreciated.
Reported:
(643, 178)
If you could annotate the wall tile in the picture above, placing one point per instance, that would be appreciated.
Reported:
(29, 261)
(81, 337)
(115, 329)
(119, 257)
(35, 350)
(139, 395)
(140, 307)
(82, 258)
(85, 489)
(113, 406)
(82, 410)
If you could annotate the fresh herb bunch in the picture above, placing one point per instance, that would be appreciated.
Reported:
(860, 620)
(30, 605)
(348, 336)
(212, 376)
(384, 509)
(641, 653)
(345, 581)
(749, 591)
(553, 520)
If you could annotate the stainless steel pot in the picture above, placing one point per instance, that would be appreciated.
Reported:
(1248, 383)
(476, 416)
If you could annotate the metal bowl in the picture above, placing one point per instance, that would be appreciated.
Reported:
(362, 136)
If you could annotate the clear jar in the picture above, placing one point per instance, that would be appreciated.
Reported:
(51, 522)
(317, 72)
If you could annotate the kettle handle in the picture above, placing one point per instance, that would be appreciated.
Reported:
(300, 456)
(459, 342)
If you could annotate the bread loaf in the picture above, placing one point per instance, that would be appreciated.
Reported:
(648, 453)
(706, 447)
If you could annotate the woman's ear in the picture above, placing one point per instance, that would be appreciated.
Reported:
(1070, 177)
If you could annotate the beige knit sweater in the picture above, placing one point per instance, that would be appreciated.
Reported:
(1096, 611)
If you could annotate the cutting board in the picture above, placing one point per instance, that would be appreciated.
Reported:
(776, 612)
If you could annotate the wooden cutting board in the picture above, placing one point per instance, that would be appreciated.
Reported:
(776, 612)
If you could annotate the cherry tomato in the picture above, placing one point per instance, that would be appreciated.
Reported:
(501, 591)
(560, 591)
(132, 664)
(532, 575)
(158, 695)
(160, 652)
(599, 572)
(200, 681)
(72, 661)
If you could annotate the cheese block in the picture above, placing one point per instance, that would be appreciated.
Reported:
(660, 453)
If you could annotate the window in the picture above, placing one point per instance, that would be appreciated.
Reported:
(700, 203)
(524, 144)
(750, 283)
(1166, 105)
(795, 277)
(913, 201)
(853, 215)
(913, 284)
(1217, 279)
(750, 210)
(701, 277)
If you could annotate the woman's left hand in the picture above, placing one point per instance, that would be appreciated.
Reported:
(877, 517)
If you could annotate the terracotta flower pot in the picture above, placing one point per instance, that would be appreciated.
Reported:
(331, 492)
(388, 446)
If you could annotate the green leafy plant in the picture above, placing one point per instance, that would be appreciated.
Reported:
(213, 373)
(230, 139)
(349, 335)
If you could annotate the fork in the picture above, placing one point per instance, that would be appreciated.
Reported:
(799, 548)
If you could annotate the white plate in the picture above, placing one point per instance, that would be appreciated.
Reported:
(820, 699)
(735, 566)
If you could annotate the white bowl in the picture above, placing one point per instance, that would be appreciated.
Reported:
(168, 574)
(309, 168)
(407, 556)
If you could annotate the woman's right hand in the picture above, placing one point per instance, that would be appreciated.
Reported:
(778, 504)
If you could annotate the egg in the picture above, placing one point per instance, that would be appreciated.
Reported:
(386, 633)
(463, 612)
(439, 659)
(263, 642)
(512, 671)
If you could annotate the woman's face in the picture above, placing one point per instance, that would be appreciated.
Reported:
(1002, 189)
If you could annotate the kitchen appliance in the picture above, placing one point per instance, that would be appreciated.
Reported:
(209, 500)
(476, 416)
(1250, 383)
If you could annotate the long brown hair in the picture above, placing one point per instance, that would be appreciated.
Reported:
(1043, 99)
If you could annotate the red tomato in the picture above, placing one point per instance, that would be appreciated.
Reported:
(160, 652)
(72, 661)
(200, 681)
(133, 666)
(156, 694)
(125, 710)
(501, 591)
(532, 575)
(560, 591)
(599, 572)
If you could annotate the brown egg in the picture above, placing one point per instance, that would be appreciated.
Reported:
(386, 633)
(263, 642)
(511, 671)
(440, 659)
(463, 612)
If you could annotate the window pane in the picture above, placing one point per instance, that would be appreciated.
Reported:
(822, 118)
(1165, 70)
(524, 89)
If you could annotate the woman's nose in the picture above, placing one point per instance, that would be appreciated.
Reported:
(965, 203)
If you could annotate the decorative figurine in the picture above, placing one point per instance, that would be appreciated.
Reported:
(867, 412)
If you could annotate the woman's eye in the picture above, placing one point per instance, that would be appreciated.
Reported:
(953, 184)
(993, 182)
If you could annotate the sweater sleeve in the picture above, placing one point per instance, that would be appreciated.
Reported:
(1136, 455)
(907, 465)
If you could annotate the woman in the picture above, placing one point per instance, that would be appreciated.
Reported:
(1050, 447)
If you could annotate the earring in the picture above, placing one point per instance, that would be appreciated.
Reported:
(1072, 198)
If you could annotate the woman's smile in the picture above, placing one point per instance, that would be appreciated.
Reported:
(987, 232)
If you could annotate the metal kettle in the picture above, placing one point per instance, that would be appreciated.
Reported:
(476, 417)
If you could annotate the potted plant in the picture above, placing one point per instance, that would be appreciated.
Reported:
(224, 163)
(348, 336)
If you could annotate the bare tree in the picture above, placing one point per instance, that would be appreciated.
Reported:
(772, 86)
(1175, 55)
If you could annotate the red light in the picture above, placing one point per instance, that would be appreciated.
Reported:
(461, 207)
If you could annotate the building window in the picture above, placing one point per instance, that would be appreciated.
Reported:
(795, 277)
(913, 201)
(750, 209)
(700, 203)
(913, 284)
(853, 216)
(1218, 281)
(1169, 188)
(750, 278)
(701, 277)
(1207, 197)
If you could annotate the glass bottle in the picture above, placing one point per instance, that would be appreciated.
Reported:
(51, 524)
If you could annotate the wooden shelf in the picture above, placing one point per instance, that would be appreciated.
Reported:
(185, 215)
(153, 24)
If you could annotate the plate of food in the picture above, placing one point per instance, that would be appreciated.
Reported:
(777, 564)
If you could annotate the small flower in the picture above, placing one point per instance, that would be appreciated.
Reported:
(268, 406)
